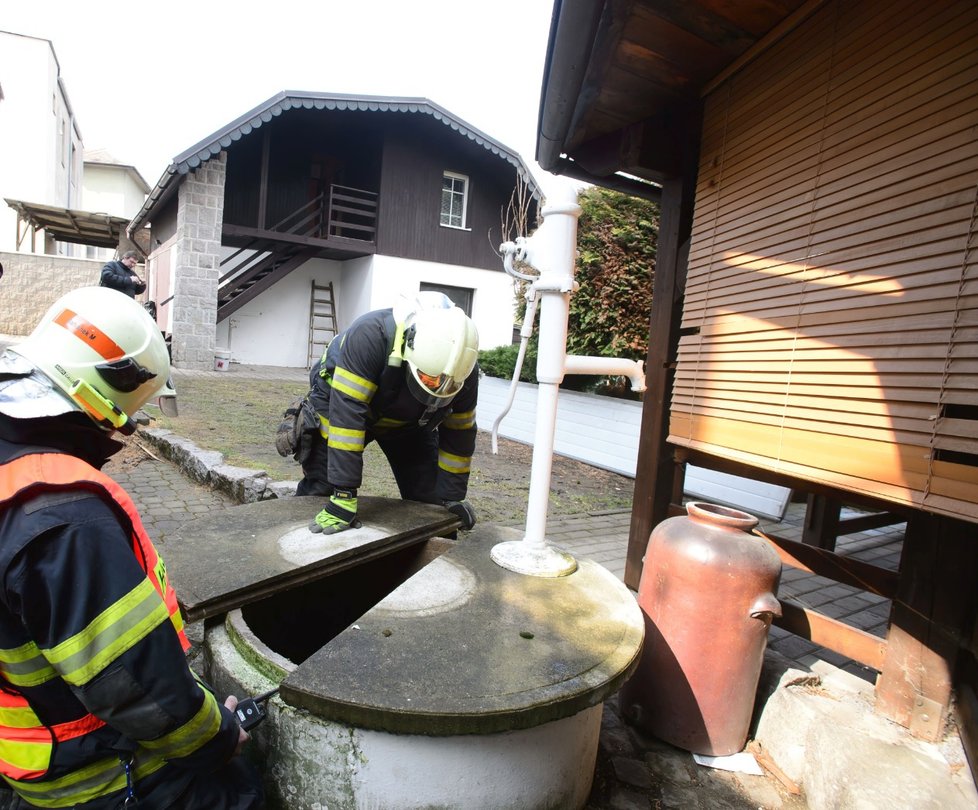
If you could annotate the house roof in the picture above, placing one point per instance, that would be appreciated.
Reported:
(287, 100)
(619, 74)
(69, 225)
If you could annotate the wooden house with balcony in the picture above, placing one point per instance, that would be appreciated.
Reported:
(282, 227)
(815, 309)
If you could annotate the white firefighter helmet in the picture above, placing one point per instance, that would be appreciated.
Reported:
(104, 352)
(441, 347)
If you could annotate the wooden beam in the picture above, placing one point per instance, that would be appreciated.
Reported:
(355, 247)
(821, 521)
(825, 631)
(824, 563)
(263, 180)
(655, 467)
(930, 623)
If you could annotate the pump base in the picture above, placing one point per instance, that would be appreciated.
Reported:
(533, 559)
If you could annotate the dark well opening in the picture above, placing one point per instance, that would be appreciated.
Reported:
(297, 622)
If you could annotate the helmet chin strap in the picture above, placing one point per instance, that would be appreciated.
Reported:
(105, 412)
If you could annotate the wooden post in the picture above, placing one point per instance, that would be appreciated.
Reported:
(929, 623)
(655, 467)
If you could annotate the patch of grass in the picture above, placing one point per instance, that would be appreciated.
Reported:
(238, 417)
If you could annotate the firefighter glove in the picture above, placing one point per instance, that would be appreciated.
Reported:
(339, 513)
(463, 511)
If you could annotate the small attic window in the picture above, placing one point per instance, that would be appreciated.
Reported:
(454, 199)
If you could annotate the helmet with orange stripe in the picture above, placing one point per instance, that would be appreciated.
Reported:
(104, 352)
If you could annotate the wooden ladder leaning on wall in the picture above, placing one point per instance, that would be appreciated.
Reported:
(322, 321)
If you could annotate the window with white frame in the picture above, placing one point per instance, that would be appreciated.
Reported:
(454, 198)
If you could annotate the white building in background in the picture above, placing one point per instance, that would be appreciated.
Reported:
(40, 141)
(110, 187)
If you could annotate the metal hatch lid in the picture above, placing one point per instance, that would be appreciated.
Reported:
(237, 556)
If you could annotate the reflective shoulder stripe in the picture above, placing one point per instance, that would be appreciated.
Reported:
(454, 464)
(116, 629)
(347, 439)
(460, 421)
(354, 386)
(191, 735)
(53, 471)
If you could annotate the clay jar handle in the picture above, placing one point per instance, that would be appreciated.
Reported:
(765, 608)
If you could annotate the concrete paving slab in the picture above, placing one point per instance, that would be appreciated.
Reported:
(228, 559)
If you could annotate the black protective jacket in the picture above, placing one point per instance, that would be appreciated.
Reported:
(359, 396)
(117, 276)
(68, 577)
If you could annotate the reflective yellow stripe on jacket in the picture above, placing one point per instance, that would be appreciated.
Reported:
(192, 734)
(347, 439)
(116, 629)
(460, 421)
(25, 666)
(454, 464)
(85, 784)
(353, 385)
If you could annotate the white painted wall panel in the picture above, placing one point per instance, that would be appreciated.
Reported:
(273, 329)
(493, 301)
(604, 432)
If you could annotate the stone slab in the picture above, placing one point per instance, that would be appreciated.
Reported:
(237, 556)
(468, 647)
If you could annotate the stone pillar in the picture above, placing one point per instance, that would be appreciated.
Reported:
(200, 218)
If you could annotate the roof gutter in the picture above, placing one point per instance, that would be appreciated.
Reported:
(573, 29)
(616, 182)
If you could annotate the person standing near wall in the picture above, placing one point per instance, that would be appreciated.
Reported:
(120, 275)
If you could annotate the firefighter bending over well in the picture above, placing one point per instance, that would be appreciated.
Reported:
(98, 706)
(406, 378)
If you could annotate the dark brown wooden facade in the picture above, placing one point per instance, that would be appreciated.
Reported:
(814, 315)
(410, 190)
(294, 162)
(314, 175)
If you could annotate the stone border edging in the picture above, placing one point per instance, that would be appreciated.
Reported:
(207, 467)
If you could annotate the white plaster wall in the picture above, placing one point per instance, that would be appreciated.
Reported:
(273, 329)
(30, 115)
(493, 302)
(111, 190)
(353, 297)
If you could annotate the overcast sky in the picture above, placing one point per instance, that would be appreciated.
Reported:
(149, 80)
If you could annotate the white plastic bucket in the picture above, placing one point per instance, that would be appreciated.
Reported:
(222, 359)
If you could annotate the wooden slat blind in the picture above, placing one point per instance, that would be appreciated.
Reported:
(831, 306)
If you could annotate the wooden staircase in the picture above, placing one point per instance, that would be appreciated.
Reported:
(254, 273)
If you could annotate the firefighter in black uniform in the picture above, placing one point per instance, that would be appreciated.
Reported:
(98, 706)
(406, 378)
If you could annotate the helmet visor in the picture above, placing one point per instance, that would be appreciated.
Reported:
(441, 385)
(436, 391)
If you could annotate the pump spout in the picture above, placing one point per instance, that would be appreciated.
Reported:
(607, 367)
